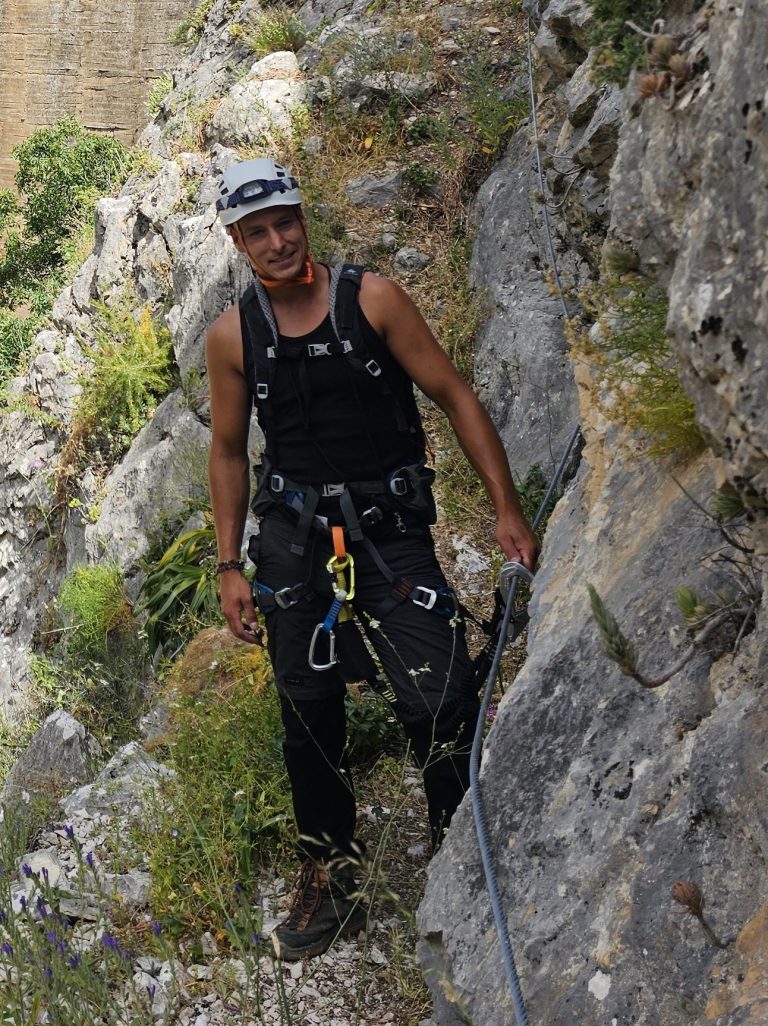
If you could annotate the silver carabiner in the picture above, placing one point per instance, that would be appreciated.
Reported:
(331, 653)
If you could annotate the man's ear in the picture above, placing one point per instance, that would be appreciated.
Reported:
(233, 231)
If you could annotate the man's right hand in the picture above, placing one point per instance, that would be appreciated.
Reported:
(238, 608)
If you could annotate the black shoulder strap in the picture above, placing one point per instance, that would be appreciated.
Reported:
(259, 359)
(343, 300)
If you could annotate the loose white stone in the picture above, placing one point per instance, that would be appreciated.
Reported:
(599, 985)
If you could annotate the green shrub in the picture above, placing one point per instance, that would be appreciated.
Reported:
(228, 808)
(93, 599)
(160, 89)
(619, 47)
(636, 365)
(494, 113)
(16, 334)
(62, 170)
(372, 729)
(130, 373)
(420, 178)
(191, 27)
(278, 29)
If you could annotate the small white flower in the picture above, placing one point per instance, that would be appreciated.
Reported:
(375, 624)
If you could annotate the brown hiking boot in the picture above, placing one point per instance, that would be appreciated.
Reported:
(325, 906)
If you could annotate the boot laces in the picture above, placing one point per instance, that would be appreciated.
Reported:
(307, 897)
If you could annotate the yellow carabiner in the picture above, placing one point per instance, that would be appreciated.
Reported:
(336, 566)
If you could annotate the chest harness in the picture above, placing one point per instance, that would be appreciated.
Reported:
(404, 490)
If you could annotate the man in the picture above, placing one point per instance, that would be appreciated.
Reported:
(330, 359)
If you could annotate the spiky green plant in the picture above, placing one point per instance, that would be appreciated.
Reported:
(182, 583)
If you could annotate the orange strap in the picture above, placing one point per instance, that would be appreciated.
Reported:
(337, 533)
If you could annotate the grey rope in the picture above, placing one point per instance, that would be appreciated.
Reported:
(266, 307)
(478, 810)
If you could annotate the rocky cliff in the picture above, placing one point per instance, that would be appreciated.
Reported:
(92, 60)
(601, 794)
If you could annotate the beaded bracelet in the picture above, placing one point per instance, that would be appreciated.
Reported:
(230, 564)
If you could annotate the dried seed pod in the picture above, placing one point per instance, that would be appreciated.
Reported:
(661, 49)
(688, 894)
(651, 85)
(679, 67)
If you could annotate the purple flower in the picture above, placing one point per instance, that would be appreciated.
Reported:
(491, 714)
(151, 988)
(23, 901)
(110, 942)
(45, 873)
(41, 906)
(2, 915)
(27, 870)
(48, 972)
(156, 928)
(89, 859)
(6, 948)
(74, 961)
(70, 832)
(255, 938)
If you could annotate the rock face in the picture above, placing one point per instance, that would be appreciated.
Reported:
(90, 60)
(600, 794)
(61, 754)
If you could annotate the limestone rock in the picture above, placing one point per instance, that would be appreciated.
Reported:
(597, 146)
(409, 260)
(375, 190)
(119, 786)
(522, 369)
(60, 754)
(617, 791)
(262, 103)
(163, 471)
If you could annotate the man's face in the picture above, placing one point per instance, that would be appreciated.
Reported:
(274, 240)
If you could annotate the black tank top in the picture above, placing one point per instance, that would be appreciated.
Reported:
(335, 423)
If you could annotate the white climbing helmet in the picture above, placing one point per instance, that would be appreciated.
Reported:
(255, 185)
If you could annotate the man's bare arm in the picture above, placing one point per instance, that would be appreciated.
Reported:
(228, 466)
(411, 342)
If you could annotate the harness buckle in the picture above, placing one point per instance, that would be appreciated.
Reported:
(285, 598)
(429, 599)
(371, 516)
(262, 391)
(331, 651)
(319, 349)
(399, 485)
(277, 483)
(330, 490)
(271, 353)
(346, 346)
(373, 368)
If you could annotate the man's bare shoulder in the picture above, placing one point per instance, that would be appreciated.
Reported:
(382, 301)
(224, 342)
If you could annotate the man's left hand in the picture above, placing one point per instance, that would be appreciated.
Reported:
(518, 542)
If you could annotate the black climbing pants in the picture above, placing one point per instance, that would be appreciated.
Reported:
(423, 654)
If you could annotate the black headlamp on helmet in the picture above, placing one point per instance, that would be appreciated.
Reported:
(250, 191)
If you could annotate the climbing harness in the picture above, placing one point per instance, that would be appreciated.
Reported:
(510, 612)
